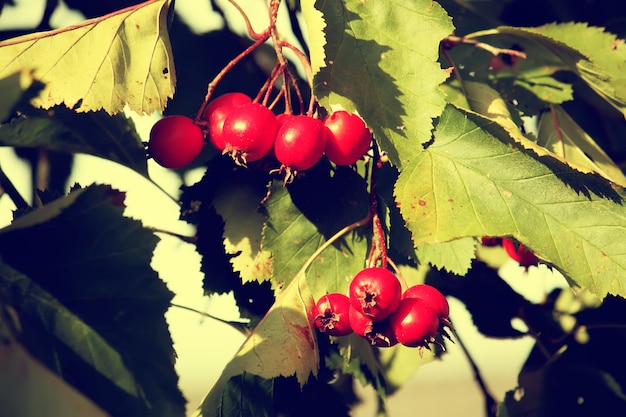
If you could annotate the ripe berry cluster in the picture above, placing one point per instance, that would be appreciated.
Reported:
(249, 131)
(378, 310)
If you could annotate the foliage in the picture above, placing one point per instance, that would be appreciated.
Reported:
(487, 123)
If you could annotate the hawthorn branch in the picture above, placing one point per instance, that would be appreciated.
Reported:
(8, 187)
(491, 405)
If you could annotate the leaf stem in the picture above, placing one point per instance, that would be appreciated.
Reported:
(452, 41)
(8, 187)
(239, 325)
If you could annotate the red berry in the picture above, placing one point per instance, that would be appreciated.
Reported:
(375, 292)
(175, 141)
(490, 241)
(414, 323)
(249, 131)
(217, 111)
(300, 141)
(524, 256)
(431, 296)
(378, 333)
(331, 314)
(349, 140)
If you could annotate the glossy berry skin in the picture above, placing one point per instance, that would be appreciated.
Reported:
(249, 131)
(414, 323)
(375, 292)
(175, 141)
(378, 333)
(300, 141)
(349, 138)
(216, 112)
(520, 253)
(331, 314)
(431, 296)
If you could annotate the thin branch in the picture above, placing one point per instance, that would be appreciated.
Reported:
(491, 405)
(13, 193)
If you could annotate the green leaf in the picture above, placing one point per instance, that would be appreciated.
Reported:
(559, 133)
(304, 215)
(487, 102)
(106, 63)
(36, 305)
(238, 205)
(472, 181)
(598, 57)
(95, 133)
(15, 88)
(381, 61)
(23, 378)
(96, 263)
(286, 328)
(455, 256)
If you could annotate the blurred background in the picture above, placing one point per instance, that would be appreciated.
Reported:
(442, 388)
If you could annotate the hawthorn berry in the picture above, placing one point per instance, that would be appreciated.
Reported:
(300, 141)
(520, 253)
(414, 322)
(216, 112)
(378, 333)
(249, 131)
(349, 138)
(431, 296)
(175, 141)
(375, 292)
(331, 314)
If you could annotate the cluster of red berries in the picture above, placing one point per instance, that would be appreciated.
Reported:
(518, 252)
(249, 131)
(378, 310)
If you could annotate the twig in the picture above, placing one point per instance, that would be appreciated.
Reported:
(491, 405)
(10, 189)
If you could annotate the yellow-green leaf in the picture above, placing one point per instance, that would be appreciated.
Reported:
(124, 58)
(561, 134)
(282, 344)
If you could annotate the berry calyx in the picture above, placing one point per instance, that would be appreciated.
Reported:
(431, 296)
(349, 138)
(216, 112)
(520, 253)
(249, 131)
(375, 292)
(378, 333)
(175, 141)
(331, 314)
(414, 323)
(300, 142)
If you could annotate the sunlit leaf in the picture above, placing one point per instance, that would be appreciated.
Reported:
(381, 60)
(473, 181)
(454, 256)
(597, 56)
(282, 344)
(561, 134)
(487, 102)
(120, 59)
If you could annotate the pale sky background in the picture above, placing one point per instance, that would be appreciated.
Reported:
(204, 346)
